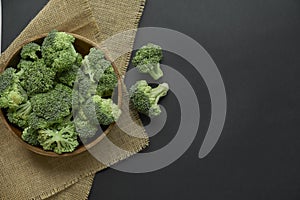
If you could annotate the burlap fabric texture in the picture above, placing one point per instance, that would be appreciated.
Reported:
(25, 175)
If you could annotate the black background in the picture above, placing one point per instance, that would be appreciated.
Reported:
(255, 44)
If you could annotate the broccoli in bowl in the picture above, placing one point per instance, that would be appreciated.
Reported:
(45, 85)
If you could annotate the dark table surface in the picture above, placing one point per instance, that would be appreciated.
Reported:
(256, 46)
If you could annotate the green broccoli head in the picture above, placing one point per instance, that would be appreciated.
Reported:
(84, 127)
(11, 93)
(64, 93)
(53, 105)
(36, 123)
(60, 140)
(88, 111)
(99, 110)
(36, 77)
(68, 120)
(106, 111)
(94, 64)
(23, 64)
(69, 77)
(84, 86)
(94, 58)
(58, 51)
(64, 59)
(30, 136)
(29, 51)
(77, 101)
(95, 76)
(79, 59)
(82, 116)
(107, 83)
(13, 98)
(20, 116)
(56, 40)
(147, 60)
(7, 80)
(145, 98)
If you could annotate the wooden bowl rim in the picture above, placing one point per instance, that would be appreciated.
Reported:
(82, 148)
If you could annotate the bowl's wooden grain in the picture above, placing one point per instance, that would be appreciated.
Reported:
(82, 45)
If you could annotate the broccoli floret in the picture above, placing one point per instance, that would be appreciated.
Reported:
(30, 136)
(29, 51)
(107, 83)
(36, 77)
(11, 93)
(68, 120)
(53, 105)
(84, 127)
(13, 98)
(41, 130)
(83, 84)
(77, 101)
(23, 64)
(20, 116)
(93, 59)
(65, 93)
(60, 140)
(147, 60)
(95, 68)
(58, 51)
(82, 116)
(104, 110)
(88, 111)
(36, 123)
(65, 59)
(145, 98)
(69, 77)
(94, 64)
(79, 59)
(107, 112)
(7, 79)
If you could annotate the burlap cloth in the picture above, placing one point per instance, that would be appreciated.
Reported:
(25, 175)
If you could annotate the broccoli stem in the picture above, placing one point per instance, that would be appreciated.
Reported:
(24, 110)
(160, 91)
(156, 73)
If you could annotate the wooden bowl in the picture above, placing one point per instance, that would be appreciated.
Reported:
(82, 45)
